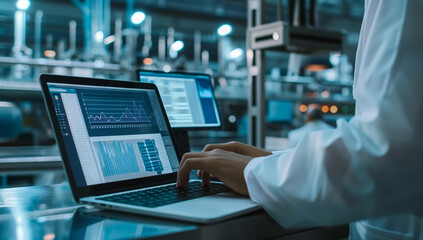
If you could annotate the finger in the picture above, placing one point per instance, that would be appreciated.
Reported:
(190, 155)
(230, 146)
(206, 179)
(185, 169)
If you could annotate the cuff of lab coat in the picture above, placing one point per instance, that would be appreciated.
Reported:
(249, 169)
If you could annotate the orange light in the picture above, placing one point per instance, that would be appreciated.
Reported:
(325, 109)
(303, 108)
(49, 236)
(50, 53)
(333, 109)
(315, 67)
(147, 61)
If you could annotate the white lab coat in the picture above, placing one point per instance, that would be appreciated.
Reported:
(372, 166)
(296, 135)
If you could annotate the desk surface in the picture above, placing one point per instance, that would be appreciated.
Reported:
(49, 212)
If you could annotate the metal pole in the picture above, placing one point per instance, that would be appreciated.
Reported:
(117, 46)
(19, 44)
(162, 48)
(147, 37)
(197, 49)
(170, 39)
(38, 26)
(256, 78)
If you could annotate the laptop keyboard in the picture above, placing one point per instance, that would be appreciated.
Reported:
(165, 195)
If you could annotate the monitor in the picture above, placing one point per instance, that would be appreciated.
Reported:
(188, 98)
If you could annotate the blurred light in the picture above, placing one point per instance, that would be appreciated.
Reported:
(237, 52)
(173, 54)
(109, 40)
(232, 119)
(99, 63)
(224, 30)
(138, 17)
(275, 36)
(345, 109)
(335, 59)
(325, 94)
(98, 36)
(325, 109)
(330, 74)
(167, 68)
(50, 236)
(177, 46)
(147, 61)
(50, 53)
(303, 108)
(19, 232)
(23, 4)
(315, 67)
(333, 109)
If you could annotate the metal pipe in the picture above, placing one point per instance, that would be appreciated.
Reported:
(197, 48)
(61, 52)
(170, 38)
(129, 12)
(279, 9)
(38, 31)
(131, 46)
(147, 37)
(205, 58)
(117, 46)
(72, 39)
(313, 13)
(18, 46)
(162, 48)
(65, 63)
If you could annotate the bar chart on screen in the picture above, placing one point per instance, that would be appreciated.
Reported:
(117, 158)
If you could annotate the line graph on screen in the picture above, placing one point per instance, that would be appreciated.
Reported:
(115, 110)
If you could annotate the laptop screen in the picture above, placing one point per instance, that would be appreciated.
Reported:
(112, 134)
(188, 98)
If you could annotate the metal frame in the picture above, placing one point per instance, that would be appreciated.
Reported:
(256, 78)
(278, 36)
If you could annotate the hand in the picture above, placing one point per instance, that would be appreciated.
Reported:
(236, 147)
(240, 148)
(225, 165)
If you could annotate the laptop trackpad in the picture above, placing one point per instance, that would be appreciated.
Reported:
(211, 208)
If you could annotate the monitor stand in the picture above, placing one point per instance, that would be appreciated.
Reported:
(182, 140)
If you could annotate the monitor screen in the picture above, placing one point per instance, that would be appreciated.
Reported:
(111, 133)
(188, 98)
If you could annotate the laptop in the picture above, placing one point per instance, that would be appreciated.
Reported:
(119, 152)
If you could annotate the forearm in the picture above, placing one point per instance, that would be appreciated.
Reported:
(334, 181)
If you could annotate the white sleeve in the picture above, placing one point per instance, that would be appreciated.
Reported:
(373, 165)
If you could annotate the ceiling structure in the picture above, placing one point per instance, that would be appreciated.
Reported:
(186, 16)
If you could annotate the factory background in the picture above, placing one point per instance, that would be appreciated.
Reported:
(113, 38)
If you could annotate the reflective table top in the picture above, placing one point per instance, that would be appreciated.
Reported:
(49, 212)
